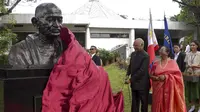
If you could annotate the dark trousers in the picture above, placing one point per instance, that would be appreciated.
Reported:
(137, 97)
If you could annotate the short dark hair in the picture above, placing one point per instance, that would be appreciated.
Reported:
(176, 44)
(93, 47)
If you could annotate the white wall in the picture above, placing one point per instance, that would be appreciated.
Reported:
(103, 23)
(31, 28)
(109, 30)
(138, 24)
(108, 43)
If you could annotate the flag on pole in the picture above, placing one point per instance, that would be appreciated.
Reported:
(152, 42)
(167, 37)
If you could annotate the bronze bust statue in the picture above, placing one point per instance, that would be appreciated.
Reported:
(44, 47)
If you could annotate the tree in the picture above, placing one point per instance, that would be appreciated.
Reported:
(6, 34)
(190, 12)
(3, 10)
(174, 18)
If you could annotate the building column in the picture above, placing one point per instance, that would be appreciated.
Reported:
(195, 34)
(131, 40)
(87, 38)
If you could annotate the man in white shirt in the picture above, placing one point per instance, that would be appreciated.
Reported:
(176, 54)
(187, 49)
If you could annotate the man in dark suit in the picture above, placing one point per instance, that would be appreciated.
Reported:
(138, 69)
(95, 58)
(179, 57)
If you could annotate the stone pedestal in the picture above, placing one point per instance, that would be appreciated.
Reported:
(21, 89)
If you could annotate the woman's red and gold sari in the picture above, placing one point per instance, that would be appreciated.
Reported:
(168, 95)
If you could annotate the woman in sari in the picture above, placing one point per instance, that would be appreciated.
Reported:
(168, 86)
(192, 60)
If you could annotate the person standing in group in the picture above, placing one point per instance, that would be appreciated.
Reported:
(192, 60)
(140, 83)
(168, 87)
(179, 57)
(95, 57)
(187, 48)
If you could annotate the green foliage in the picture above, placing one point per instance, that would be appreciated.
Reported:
(111, 56)
(122, 64)
(174, 18)
(6, 38)
(104, 55)
(116, 54)
(4, 59)
(186, 16)
(2, 7)
(187, 40)
(189, 14)
(117, 77)
(107, 56)
(6, 35)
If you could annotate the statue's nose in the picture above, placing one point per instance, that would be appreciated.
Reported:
(56, 23)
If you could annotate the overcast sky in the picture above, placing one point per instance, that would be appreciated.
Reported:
(132, 8)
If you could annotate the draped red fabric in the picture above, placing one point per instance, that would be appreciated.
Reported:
(76, 84)
(119, 102)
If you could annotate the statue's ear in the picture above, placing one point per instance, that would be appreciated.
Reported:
(34, 21)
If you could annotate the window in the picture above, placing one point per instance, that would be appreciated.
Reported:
(109, 35)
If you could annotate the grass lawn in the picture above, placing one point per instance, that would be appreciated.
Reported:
(116, 77)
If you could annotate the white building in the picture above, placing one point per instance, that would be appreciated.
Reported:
(94, 24)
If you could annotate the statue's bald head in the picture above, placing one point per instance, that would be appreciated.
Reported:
(48, 19)
(47, 9)
(138, 44)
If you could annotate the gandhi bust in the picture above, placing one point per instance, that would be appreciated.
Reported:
(43, 47)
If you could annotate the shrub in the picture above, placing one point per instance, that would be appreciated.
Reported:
(104, 55)
(122, 64)
(116, 54)
(111, 57)
(3, 59)
(107, 56)
(7, 37)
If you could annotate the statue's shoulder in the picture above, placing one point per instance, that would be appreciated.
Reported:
(19, 45)
(24, 43)
(31, 37)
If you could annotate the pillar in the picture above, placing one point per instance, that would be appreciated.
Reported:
(131, 40)
(87, 38)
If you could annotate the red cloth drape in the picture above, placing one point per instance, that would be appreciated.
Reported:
(76, 84)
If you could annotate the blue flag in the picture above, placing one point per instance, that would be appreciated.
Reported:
(167, 38)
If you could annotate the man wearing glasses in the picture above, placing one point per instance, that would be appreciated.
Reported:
(95, 58)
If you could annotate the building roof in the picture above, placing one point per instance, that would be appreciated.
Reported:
(95, 9)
